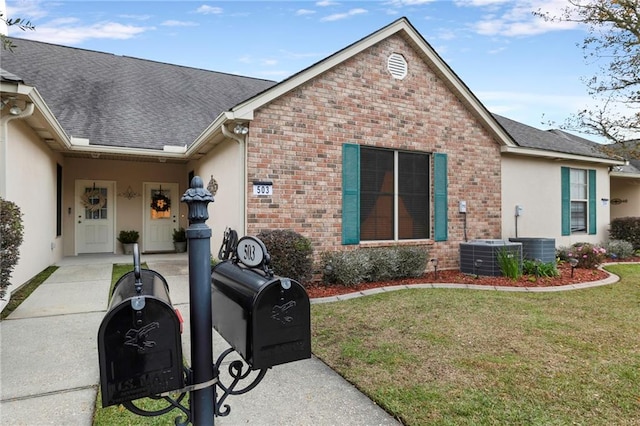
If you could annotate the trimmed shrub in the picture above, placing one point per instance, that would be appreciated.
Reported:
(291, 254)
(627, 229)
(382, 264)
(11, 235)
(412, 261)
(375, 264)
(345, 267)
(619, 249)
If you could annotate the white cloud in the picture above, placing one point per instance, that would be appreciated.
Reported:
(497, 50)
(209, 10)
(270, 62)
(63, 31)
(29, 10)
(340, 16)
(480, 3)
(400, 3)
(174, 23)
(515, 18)
(136, 17)
(325, 3)
(302, 12)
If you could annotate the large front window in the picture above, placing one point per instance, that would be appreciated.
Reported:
(394, 195)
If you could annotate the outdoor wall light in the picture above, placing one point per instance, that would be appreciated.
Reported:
(240, 129)
(573, 262)
(434, 261)
(15, 110)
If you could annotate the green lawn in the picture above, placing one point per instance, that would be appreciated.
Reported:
(466, 357)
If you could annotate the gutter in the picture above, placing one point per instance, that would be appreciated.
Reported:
(533, 152)
(242, 141)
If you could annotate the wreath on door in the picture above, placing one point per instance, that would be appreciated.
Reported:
(89, 197)
(160, 202)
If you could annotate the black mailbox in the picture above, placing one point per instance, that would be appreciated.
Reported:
(266, 319)
(139, 344)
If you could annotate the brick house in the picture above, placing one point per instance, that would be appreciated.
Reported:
(377, 144)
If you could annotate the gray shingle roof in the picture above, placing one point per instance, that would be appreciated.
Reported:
(629, 150)
(551, 140)
(126, 102)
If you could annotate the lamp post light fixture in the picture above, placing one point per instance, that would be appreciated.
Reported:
(477, 265)
(434, 261)
(573, 262)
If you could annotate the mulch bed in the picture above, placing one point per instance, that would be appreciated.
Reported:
(456, 277)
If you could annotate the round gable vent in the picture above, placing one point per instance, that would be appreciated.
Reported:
(397, 66)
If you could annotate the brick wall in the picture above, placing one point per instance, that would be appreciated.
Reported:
(296, 143)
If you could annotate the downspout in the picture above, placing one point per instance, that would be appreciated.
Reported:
(4, 137)
(242, 141)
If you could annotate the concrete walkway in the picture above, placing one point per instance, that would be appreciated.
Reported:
(49, 371)
(49, 362)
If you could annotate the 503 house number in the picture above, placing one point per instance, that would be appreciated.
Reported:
(251, 251)
(262, 189)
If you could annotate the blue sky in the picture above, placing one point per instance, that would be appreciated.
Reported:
(518, 65)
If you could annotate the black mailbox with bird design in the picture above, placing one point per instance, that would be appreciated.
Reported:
(265, 318)
(139, 343)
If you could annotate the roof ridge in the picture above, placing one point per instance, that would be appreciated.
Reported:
(115, 55)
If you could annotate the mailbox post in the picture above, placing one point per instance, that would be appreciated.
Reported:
(264, 318)
(199, 237)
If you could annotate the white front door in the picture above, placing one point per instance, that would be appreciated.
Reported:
(94, 216)
(161, 207)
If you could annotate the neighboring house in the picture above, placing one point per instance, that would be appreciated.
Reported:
(378, 144)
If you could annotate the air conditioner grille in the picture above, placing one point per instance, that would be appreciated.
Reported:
(397, 66)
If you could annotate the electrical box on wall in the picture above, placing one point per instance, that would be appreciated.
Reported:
(462, 207)
(519, 210)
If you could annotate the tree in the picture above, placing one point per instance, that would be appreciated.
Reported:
(24, 25)
(614, 41)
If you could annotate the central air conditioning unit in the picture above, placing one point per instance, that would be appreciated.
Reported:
(480, 257)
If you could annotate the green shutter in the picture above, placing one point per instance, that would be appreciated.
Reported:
(440, 209)
(350, 194)
(592, 202)
(566, 200)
